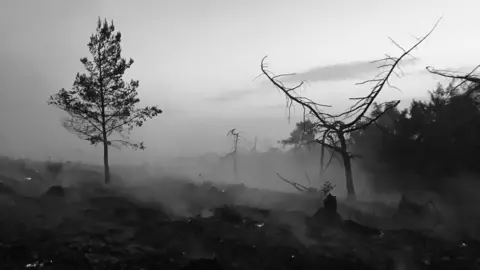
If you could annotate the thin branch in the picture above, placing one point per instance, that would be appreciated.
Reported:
(379, 127)
(374, 119)
(367, 102)
(70, 125)
(449, 74)
(292, 96)
(329, 146)
(298, 186)
(324, 169)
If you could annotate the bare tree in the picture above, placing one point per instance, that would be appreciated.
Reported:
(335, 129)
(235, 136)
(254, 148)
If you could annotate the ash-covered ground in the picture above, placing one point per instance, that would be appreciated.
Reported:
(177, 224)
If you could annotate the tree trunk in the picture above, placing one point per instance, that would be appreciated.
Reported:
(322, 158)
(351, 196)
(105, 160)
(235, 167)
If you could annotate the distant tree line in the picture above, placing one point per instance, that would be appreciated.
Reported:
(433, 140)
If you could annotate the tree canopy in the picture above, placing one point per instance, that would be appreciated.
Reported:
(303, 134)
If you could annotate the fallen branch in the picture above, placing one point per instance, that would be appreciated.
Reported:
(298, 186)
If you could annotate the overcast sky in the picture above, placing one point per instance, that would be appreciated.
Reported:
(197, 60)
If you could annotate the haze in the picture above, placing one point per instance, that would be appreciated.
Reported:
(198, 59)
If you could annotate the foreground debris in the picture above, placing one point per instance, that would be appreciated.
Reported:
(107, 230)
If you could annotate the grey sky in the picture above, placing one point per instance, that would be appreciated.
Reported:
(344, 71)
(198, 59)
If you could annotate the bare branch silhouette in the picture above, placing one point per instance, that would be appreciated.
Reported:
(335, 128)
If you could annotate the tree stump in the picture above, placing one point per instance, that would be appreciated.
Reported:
(328, 215)
(330, 204)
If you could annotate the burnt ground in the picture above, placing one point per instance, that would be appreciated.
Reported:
(107, 228)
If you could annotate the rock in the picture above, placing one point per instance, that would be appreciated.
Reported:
(55, 191)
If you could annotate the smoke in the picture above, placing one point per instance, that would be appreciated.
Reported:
(181, 186)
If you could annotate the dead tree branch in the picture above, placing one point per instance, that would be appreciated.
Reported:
(470, 77)
(334, 127)
(235, 135)
(297, 186)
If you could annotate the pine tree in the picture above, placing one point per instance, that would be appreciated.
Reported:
(101, 103)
